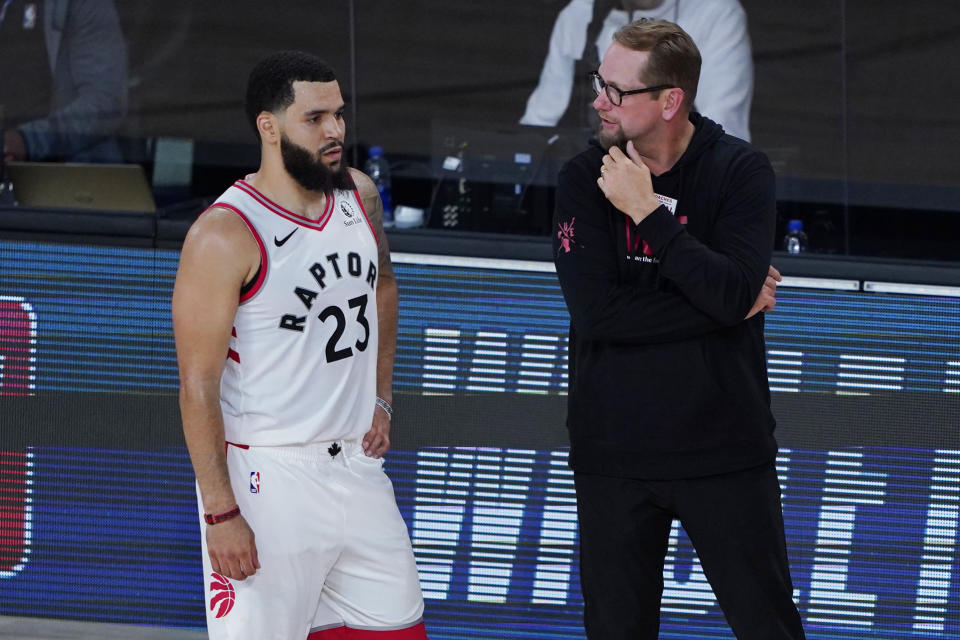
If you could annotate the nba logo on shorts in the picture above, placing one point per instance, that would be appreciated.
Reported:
(254, 482)
(222, 595)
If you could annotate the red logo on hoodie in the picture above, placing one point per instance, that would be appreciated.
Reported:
(565, 234)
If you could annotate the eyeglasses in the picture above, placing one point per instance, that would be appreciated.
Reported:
(615, 96)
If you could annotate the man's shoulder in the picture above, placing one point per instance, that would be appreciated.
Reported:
(722, 148)
(362, 182)
(740, 151)
(220, 222)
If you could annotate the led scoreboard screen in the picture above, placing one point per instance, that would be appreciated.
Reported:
(97, 508)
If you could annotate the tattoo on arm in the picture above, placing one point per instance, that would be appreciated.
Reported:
(374, 207)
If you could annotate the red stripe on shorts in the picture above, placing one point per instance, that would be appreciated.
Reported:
(416, 632)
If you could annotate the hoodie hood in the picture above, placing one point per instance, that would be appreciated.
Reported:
(706, 134)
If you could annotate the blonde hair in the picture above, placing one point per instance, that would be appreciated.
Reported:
(674, 58)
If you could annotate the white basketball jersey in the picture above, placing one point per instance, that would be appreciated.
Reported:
(302, 363)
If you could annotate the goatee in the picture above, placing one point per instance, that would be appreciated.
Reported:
(608, 140)
(310, 171)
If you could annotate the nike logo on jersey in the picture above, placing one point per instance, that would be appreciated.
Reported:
(280, 243)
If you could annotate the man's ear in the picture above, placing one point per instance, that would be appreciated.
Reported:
(269, 127)
(673, 101)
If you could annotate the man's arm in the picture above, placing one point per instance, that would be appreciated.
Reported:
(219, 255)
(377, 441)
(588, 259)
(724, 278)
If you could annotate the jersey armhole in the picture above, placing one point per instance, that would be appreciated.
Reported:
(250, 288)
(356, 195)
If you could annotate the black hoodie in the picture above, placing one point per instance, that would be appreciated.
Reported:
(667, 379)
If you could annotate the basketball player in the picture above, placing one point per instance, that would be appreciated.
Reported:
(284, 313)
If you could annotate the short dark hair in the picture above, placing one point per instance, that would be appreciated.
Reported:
(270, 85)
(674, 58)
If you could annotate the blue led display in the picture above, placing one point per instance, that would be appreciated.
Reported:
(114, 536)
(105, 326)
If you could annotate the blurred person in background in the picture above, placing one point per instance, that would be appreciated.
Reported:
(719, 27)
(64, 88)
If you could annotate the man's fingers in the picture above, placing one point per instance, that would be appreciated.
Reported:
(371, 442)
(379, 446)
(230, 567)
(607, 164)
(634, 154)
(773, 273)
(232, 549)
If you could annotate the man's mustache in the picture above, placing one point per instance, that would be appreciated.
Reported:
(335, 144)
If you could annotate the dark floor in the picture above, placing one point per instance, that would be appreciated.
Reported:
(12, 628)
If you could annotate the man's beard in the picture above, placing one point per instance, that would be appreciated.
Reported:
(309, 170)
(616, 139)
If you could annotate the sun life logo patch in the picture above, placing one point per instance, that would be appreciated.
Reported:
(349, 214)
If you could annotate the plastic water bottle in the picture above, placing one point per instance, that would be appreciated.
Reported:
(378, 169)
(796, 239)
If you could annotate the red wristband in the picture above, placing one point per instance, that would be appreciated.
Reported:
(216, 518)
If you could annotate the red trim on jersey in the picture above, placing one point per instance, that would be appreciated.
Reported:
(337, 633)
(263, 252)
(356, 194)
(272, 206)
(229, 444)
(233, 332)
(233, 355)
(416, 632)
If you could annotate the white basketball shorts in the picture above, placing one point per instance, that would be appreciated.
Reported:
(334, 551)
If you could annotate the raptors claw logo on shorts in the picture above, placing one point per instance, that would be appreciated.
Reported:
(222, 595)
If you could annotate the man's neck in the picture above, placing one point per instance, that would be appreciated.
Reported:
(274, 182)
(660, 155)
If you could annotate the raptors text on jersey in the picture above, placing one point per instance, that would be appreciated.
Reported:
(303, 352)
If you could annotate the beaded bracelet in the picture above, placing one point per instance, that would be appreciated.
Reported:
(387, 409)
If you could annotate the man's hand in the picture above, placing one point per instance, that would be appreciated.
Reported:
(626, 183)
(767, 299)
(14, 148)
(377, 441)
(232, 549)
